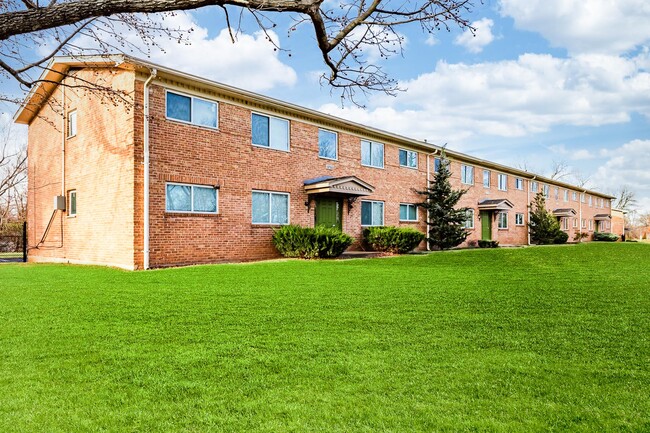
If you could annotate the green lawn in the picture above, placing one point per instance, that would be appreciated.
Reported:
(530, 339)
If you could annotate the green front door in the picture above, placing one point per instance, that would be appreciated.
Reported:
(328, 212)
(486, 226)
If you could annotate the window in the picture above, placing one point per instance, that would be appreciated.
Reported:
(190, 198)
(606, 203)
(467, 174)
(408, 158)
(408, 212)
(191, 109)
(519, 219)
(575, 196)
(591, 225)
(547, 190)
(582, 197)
(590, 201)
(503, 220)
(566, 195)
(372, 154)
(557, 193)
(372, 213)
(503, 182)
(469, 221)
(72, 203)
(533, 186)
(575, 223)
(584, 223)
(328, 144)
(486, 178)
(565, 223)
(436, 165)
(270, 132)
(519, 183)
(270, 207)
(72, 123)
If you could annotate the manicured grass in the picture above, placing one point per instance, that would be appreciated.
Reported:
(536, 339)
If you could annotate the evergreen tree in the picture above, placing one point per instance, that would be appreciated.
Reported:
(445, 223)
(544, 227)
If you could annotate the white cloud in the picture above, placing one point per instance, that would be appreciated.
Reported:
(572, 154)
(431, 40)
(251, 62)
(511, 98)
(593, 26)
(628, 165)
(475, 42)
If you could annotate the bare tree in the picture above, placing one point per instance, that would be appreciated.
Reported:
(559, 170)
(625, 199)
(342, 30)
(13, 174)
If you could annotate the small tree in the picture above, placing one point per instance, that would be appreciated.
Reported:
(544, 227)
(446, 224)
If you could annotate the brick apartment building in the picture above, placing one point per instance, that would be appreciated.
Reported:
(172, 169)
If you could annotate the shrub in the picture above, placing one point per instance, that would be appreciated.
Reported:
(561, 237)
(580, 235)
(310, 243)
(605, 237)
(487, 244)
(392, 239)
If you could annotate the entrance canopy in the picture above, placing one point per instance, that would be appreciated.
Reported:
(350, 186)
(502, 204)
(602, 217)
(564, 213)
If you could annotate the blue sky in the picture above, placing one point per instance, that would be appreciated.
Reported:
(542, 81)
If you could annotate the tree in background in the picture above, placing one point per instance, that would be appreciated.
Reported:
(13, 174)
(544, 227)
(343, 31)
(445, 223)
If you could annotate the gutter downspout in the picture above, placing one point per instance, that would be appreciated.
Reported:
(528, 199)
(428, 184)
(63, 134)
(145, 264)
(582, 196)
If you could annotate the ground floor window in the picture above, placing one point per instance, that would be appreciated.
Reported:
(190, 198)
(408, 212)
(519, 219)
(469, 221)
(565, 223)
(575, 223)
(502, 220)
(372, 213)
(270, 207)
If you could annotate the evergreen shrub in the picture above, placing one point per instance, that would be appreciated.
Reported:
(393, 239)
(310, 243)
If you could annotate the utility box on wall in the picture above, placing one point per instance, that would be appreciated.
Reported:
(59, 202)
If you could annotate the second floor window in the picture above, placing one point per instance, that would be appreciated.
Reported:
(503, 182)
(408, 158)
(547, 190)
(486, 178)
(270, 132)
(327, 144)
(566, 195)
(519, 183)
(191, 109)
(372, 154)
(72, 123)
(467, 174)
(533, 187)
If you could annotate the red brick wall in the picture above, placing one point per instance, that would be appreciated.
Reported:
(98, 165)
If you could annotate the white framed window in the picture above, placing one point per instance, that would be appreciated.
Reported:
(575, 223)
(467, 174)
(582, 197)
(328, 144)
(584, 223)
(372, 154)
(591, 225)
(547, 190)
(591, 200)
(565, 223)
(469, 220)
(502, 220)
(575, 196)
(72, 123)
(486, 178)
(519, 219)
(408, 212)
(606, 203)
(533, 186)
(72, 203)
(269, 131)
(566, 195)
(503, 182)
(188, 198)
(519, 183)
(408, 158)
(436, 165)
(270, 207)
(557, 193)
(191, 109)
(372, 213)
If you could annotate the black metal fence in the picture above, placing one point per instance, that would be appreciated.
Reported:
(15, 243)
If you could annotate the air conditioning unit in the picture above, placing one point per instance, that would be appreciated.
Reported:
(59, 202)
